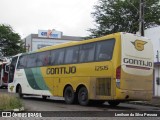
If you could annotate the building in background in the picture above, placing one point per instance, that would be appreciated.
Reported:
(47, 38)
(154, 35)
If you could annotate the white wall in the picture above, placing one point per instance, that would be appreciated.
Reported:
(154, 35)
(156, 87)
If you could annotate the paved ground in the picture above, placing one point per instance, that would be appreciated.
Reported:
(154, 102)
(38, 104)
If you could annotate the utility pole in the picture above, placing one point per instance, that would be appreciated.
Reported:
(141, 17)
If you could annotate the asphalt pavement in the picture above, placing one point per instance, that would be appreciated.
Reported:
(154, 102)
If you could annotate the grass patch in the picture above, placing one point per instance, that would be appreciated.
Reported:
(9, 102)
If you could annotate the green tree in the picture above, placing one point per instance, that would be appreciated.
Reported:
(123, 16)
(10, 42)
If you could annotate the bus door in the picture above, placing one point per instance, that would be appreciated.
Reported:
(5, 74)
(11, 72)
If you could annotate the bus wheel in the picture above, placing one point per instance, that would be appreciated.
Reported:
(69, 95)
(20, 92)
(83, 96)
(113, 103)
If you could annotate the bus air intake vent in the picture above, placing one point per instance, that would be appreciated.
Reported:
(103, 86)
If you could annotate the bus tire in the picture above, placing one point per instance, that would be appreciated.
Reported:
(69, 95)
(83, 96)
(20, 92)
(113, 103)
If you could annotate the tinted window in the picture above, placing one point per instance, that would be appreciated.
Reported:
(31, 60)
(104, 50)
(87, 52)
(12, 69)
(71, 55)
(57, 57)
(22, 62)
(7, 68)
(43, 58)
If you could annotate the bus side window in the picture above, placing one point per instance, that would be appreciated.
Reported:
(43, 58)
(60, 56)
(7, 68)
(22, 62)
(31, 60)
(53, 57)
(87, 52)
(57, 57)
(71, 55)
(104, 50)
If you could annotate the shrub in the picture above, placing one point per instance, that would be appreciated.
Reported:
(9, 102)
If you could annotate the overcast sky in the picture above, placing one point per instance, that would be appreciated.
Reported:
(72, 17)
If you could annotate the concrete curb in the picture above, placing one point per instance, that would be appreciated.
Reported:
(143, 103)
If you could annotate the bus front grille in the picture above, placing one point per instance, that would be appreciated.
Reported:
(103, 86)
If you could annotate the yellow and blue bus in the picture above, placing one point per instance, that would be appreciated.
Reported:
(114, 68)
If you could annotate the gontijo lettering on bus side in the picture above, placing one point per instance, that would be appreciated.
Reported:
(61, 70)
